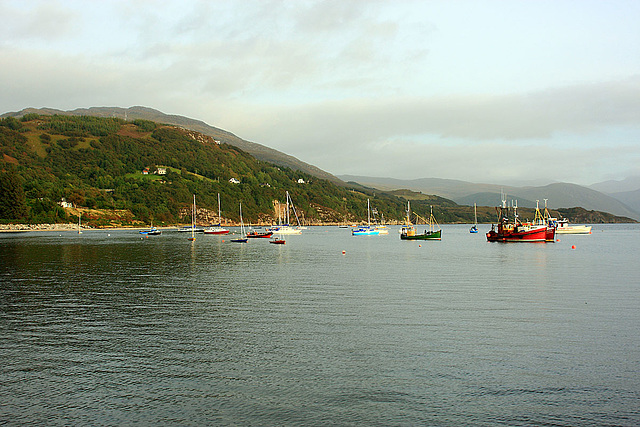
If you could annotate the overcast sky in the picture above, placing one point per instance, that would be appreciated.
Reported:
(483, 91)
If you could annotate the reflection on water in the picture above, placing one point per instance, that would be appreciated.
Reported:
(112, 328)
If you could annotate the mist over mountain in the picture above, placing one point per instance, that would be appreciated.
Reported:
(626, 185)
(626, 190)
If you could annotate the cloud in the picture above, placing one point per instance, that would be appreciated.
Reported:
(314, 77)
(42, 21)
(514, 117)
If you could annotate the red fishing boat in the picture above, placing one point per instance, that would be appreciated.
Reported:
(259, 234)
(517, 231)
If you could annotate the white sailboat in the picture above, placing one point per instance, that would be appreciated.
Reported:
(286, 228)
(474, 228)
(243, 234)
(217, 229)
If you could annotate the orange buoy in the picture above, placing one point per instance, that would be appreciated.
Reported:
(573, 246)
(344, 252)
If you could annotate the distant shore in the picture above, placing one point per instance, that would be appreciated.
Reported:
(9, 228)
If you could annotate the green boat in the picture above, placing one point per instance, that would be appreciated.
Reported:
(408, 231)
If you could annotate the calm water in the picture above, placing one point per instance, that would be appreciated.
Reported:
(111, 328)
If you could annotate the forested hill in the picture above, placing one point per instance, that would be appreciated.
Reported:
(98, 163)
(258, 151)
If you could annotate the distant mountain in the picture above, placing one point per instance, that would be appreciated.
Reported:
(559, 195)
(258, 151)
(626, 191)
(629, 198)
(629, 184)
(449, 188)
(494, 199)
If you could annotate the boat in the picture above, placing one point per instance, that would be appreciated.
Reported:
(193, 228)
(190, 228)
(193, 220)
(474, 227)
(286, 228)
(382, 228)
(366, 230)
(563, 227)
(242, 239)
(217, 229)
(253, 234)
(152, 231)
(517, 231)
(433, 231)
(540, 219)
(278, 240)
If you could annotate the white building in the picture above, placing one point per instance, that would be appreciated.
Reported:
(65, 204)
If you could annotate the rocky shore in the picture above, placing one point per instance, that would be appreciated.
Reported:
(38, 227)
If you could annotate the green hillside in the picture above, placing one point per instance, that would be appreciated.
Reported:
(98, 163)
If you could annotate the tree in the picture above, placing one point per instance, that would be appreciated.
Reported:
(13, 203)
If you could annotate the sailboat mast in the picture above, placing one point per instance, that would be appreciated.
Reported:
(475, 214)
(219, 215)
(193, 219)
(368, 213)
(287, 208)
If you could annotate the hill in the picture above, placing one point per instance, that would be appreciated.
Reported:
(559, 195)
(152, 170)
(258, 151)
(117, 172)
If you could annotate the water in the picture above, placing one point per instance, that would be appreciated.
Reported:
(111, 328)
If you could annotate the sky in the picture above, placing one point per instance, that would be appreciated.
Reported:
(506, 92)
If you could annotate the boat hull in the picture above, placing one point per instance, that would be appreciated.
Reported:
(216, 231)
(152, 232)
(365, 231)
(574, 229)
(188, 230)
(256, 235)
(285, 230)
(522, 234)
(427, 235)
